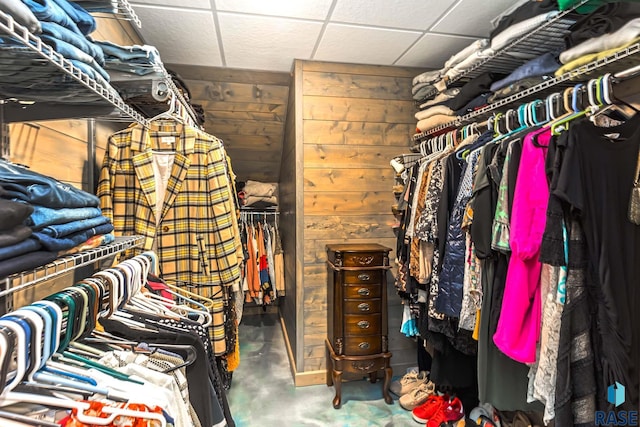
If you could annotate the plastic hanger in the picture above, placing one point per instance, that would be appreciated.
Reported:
(80, 408)
(561, 124)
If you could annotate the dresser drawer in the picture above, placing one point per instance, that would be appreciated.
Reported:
(364, 276)
(357, 346)
(363, 259)
(362, 306)
(362, 324)
(362, 291)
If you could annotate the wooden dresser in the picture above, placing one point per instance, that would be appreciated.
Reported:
(357, 341)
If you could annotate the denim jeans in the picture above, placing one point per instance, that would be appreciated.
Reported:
(21, 14)
(71, 52)
(29, 186)
(85, 22)
(15, 235)
(72, 240)
(28, 245)
(13, 214)
(141, 60)
(48, 10)
(43, 216)
(26, 261)
(62, 230)
(81, 42)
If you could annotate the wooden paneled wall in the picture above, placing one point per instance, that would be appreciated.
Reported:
(355, 119)
(290, 190)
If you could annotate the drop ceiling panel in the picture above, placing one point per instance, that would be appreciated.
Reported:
(365, 45)
(193, 41)
(199, 4)
(471, 17)
(307, 9)
(409, 14)
(432, 50)
(266, 43)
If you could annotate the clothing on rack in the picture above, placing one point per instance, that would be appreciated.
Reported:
(154, 366)
(522, 249)
(263, 273)
(192, 227)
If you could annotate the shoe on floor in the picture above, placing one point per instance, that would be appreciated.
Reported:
(450, 412)
(429, 408)
(417, 396)
(407, 383)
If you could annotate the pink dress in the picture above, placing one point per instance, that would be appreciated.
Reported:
(520, 316)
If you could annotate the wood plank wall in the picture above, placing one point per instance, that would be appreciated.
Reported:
(355, 119)
(289, 189)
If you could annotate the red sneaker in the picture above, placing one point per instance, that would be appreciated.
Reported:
(429, 408)
(450, 411)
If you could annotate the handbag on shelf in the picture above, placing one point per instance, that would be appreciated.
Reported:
(634, 201)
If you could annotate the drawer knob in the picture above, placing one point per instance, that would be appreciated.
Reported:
(364, 260)
(364, 277)
(363, 365)
(364, 345)
(364, 292)
(364, 324)
(364, 306)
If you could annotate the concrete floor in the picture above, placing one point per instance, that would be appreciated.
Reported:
(263, 395)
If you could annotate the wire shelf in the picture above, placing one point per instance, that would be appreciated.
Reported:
(548, 37)
(24, 280)
(62, 77)
(121, 10)
(618, 61)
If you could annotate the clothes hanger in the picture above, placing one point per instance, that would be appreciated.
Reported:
(562, 123)
(80, 408)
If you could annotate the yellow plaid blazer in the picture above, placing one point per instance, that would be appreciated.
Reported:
(197, 237)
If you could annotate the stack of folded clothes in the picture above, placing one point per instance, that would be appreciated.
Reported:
(600, 47)
(520, 19)
(64, 26)
(258, 195)
(42, 219)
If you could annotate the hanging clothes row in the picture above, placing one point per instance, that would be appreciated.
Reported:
(263, 273)
(517, 254)
(172, 184)
(109, 351)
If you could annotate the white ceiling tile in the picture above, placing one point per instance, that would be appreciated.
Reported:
(409, 14)
(366, 45)
(307, 9)
(193, 42)
(265, 43)
(471, 17)
(200, 4)
(432, 50)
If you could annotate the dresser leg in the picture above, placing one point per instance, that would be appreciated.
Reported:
(388, 372)
(337, 383)
(373, 377)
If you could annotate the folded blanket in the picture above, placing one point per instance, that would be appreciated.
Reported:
(578, 62)
(260, 189)
(624, 35)
(441, 97)
(521, 28)
(434, 121)
(427, 77)
(438, 109)
(476, 46)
